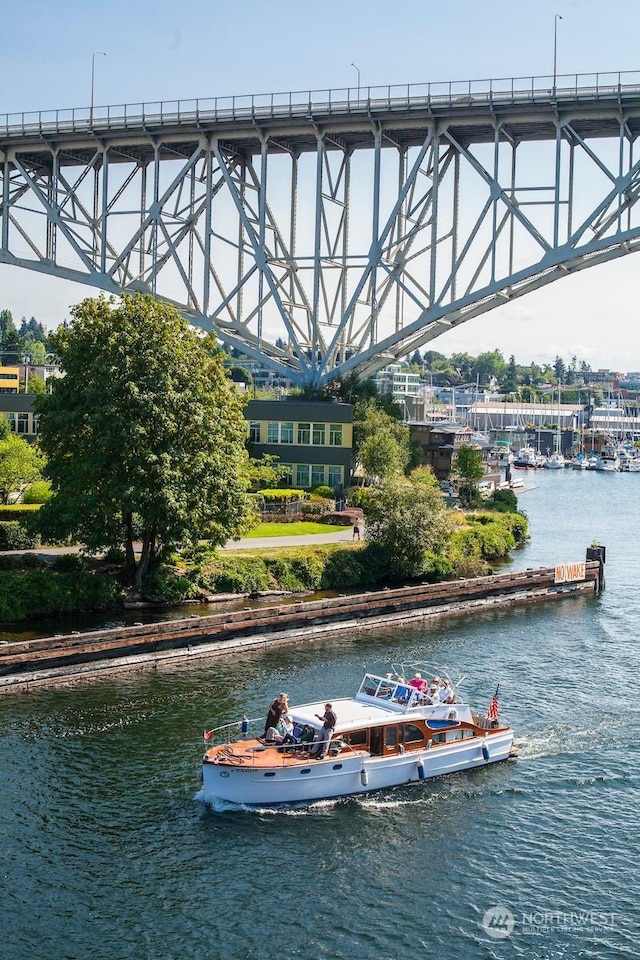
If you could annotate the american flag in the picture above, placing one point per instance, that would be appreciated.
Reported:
(494, 707)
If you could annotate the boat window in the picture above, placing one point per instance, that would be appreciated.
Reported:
(370, 686)
(337, 766)
(386, 689)
(412, 734)
(390, 737)
(375, 741)
(269, 773)
(357, 738)
(467, 734)
(452, 735)
(438, 737)
(402, 694)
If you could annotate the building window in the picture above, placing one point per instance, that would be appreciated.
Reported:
(23, 423)
(304, 433)
(273, 432)
(318, 433)
(254, 431)
(335, 476)
(286, 432)
(335, 434)
(302, 475)
(11, 417)
(317, 475)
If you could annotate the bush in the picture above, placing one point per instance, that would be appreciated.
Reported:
(322, 491)
(347, 568)
(70, 563)
(15, 536)
(284, 495)
(337, 519)
(18, 511)
(166, 584)
(26, 594)
(236, 575)
(502, 501)
(39, 492)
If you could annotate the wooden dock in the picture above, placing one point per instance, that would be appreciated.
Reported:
(64, 658)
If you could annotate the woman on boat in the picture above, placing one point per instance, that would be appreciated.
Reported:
(277, 707)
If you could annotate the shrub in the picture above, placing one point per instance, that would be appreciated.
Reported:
(236, 575)
(166, 584)
(25, 594)
(70, 563)
(322, 491)
(284, 495)
(15, 536)
(347, 568)
(18, 511)
(502, 501)
(337, 519)
(39, 492)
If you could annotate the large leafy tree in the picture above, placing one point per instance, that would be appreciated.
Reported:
(144, 435)
(468, 466)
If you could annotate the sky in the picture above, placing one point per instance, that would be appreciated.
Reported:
(158, 50)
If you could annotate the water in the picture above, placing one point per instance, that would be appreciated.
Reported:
(107, 853)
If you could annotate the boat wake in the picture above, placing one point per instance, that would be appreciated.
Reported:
(316, 807)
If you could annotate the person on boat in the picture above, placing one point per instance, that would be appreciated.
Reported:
(445, 692)
(321, 745)
(418, 682)
(277, 707)
(282, 733)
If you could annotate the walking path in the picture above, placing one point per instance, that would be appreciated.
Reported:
(342, 535)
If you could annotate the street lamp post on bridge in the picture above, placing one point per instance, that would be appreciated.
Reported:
(357, 69)
(555, 49)
(96, 53)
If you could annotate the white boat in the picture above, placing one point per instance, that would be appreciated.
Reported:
(555, 462)
(608, 459)
(526, 457)
(391, 733)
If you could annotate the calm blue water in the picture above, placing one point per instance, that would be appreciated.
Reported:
(106, 853)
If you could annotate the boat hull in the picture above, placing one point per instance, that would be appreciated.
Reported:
(347, 775)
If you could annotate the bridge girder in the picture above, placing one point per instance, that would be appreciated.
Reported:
(321, 242)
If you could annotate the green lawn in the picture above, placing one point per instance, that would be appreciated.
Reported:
(300, 529)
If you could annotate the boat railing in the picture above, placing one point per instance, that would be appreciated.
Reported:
(228, 732)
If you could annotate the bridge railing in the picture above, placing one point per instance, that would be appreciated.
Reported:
(438, 96)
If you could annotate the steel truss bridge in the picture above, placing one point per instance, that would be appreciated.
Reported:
(333, 230)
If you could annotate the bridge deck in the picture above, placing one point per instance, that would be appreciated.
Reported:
(527, 110)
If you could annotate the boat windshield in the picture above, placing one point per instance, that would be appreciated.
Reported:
(384, 688)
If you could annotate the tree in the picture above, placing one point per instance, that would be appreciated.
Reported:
(374, 427)
(144, 434)
(20, 463)
(382, 457)
(405, 519)
(468, 466)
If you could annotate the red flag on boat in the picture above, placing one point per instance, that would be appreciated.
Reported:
(494, 707)
(206, 736)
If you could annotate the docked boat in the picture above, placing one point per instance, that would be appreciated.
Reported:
(526, 457)
(608, 459)
(555, 462)
(394, 731)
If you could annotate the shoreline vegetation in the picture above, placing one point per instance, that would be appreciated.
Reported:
(32, 587)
